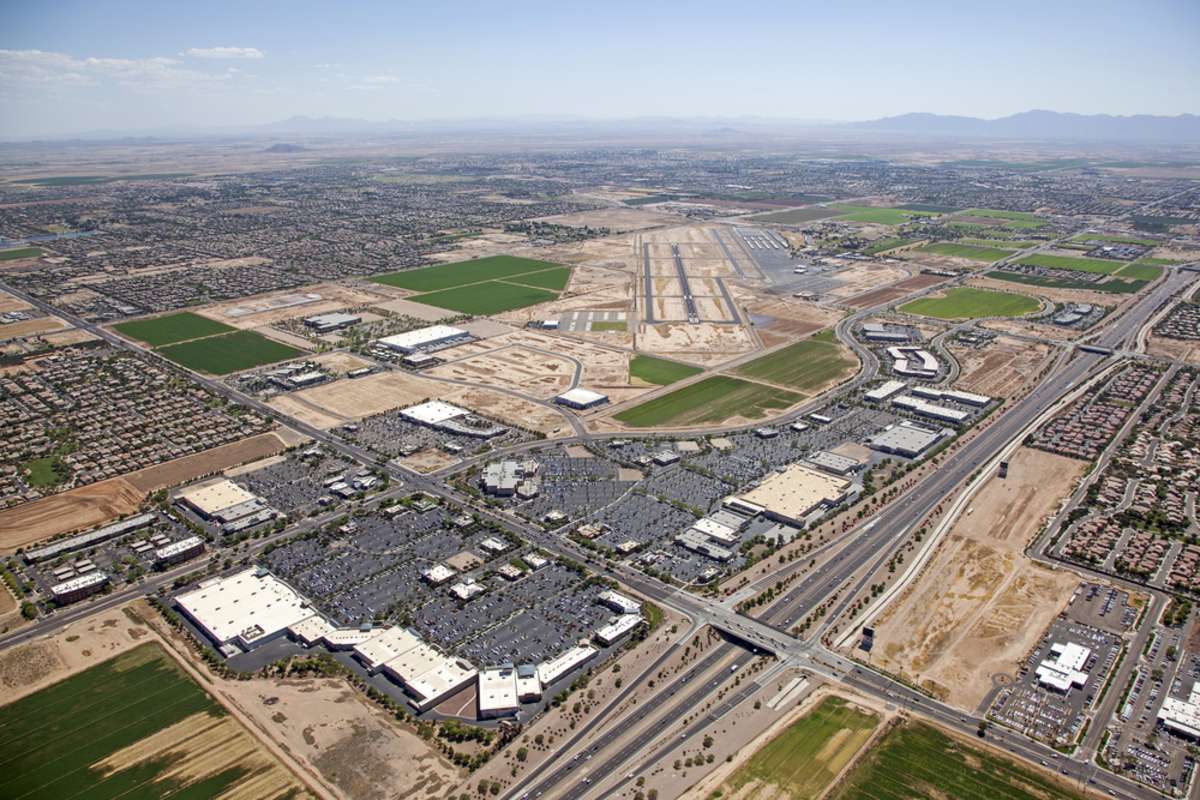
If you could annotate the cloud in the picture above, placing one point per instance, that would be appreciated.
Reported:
(373, 83)
(224, 52)
(41, 69)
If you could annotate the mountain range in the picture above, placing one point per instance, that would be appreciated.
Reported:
(1041, 124)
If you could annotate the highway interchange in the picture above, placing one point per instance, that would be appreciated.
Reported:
(853, 560)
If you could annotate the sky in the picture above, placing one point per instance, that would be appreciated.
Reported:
(72, 67)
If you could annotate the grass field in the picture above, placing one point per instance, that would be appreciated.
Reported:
(555, 278)
(916, 761)
(489, 297)
(797, 216)
(966, 303)
(231, 352)
(20, 252)
(803, 365)
(885, 244)
(1016, 216)
(710, 400)
(609, 325)
(483, 286)
(1099, 265)
(1158, 262)
(658, 371)
(171, 328)
(1104, 237)
(1017, 244)
(986, 254)
(884, 216)
(1140, 271)
(804, 759)
(1112, 286)
(54, 742)
(461, 273)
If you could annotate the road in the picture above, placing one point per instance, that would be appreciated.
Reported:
(886, 532)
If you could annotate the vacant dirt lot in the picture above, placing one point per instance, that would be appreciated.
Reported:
(617, 220)
(861, 277)
(327, 726)
(30, 327)
(210, 462)
(895, 291)
(77, 509)
(980, 605)
(533, 372)
(702, 344)
(1173, 348)
(254, 312)
(1001, 368)
(355, 398)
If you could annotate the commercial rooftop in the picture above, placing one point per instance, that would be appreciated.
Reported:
(798, 491)
(1064, 668)
(247, 607)
(433, 336)
(208, 499)
(433, 413)
(906, 439)
(581, 398)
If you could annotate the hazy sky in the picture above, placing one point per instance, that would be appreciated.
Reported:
(79, 66)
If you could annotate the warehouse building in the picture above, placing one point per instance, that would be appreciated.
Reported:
(581, 399)
(799, 494)
(451, 419)
(906, 439)
(833, 463)
(435, 337)
(925, 408)
(326, 323)
(244, 609)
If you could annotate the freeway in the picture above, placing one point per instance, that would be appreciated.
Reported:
(873, 542)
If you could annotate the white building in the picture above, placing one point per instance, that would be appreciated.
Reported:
(580, 398)
(619, 602)
(383, 646)
(498, 695)
(881, 393)
(437, 574)
(1064, 668)
(617, 628)
(245, 609)
(435, 337)
(563, 664)
(1182, 716)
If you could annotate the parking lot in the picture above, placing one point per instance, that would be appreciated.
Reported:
(391, 435)
(1049, 715)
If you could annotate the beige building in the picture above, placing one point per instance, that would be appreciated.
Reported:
(799, 492)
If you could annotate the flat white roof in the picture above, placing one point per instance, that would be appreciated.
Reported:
(217, 496)
(433, 412)
(250, 605)
(421, 337)
(607, 634)
(797, 491)
(581, 396)
(498, 689)
(311, 629)
(447, 677)
(619, 602)
(885, 391)
(555, 668)
(175, 548)
(385, 645)
(74, 584)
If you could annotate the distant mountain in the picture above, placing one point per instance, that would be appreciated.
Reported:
(284, 147)
(1044, 125)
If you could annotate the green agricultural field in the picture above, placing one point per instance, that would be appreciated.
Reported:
(609, 325)
(963, 302)
(797, 216)
(1016, 216)
(885, 244)
(658, 371)
(713, 399)
(986, 254)
(1111, 286)
(85, 180)
(884, 216)
(52, 740)
(803, 760)
(171, 328)
(1158, 262)
(1140, 271)
(1017, 244)
(231, 352)
(1100, 265)
(20, 252)
(1104, 237)
(461, 273)
(805, 365)
(914, 760)
(489, 297)
(555, 279)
